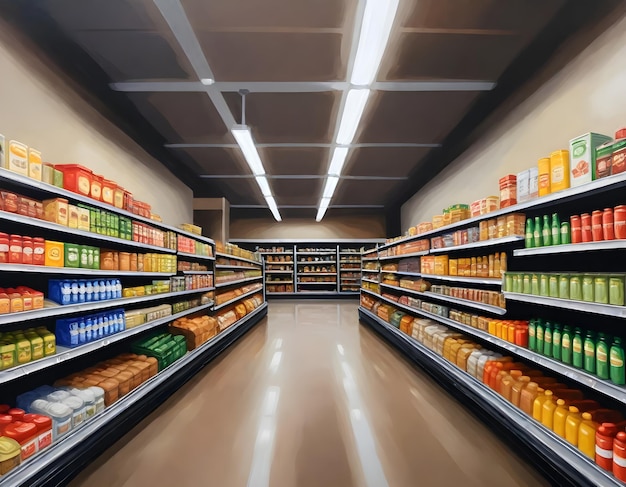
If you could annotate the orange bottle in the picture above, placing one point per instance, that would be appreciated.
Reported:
(547, 409)
(572, 423)
(518, 387)
(560, 416)
(506, 384)
(619, 456)
(538, 403)
(605, 436)
(528, 396)
(587, 435)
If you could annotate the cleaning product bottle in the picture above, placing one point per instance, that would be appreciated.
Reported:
(566, 345)
(617, 371)
(529, 240)
(547, 339)
(556, 341)
(577, 349)
(537, 240)
(602, 357)
(539, 336)
(547, 409)
(589, 349)
(556, 229)
(546, 231)
(532, 331)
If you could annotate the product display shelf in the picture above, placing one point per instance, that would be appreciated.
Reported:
(476, 245)
(370, 280)
(588, 190)
(278, 282)
(238, 281)
(312, 262)
(92, 306)
(197, 273)
(317, 274)
(236, 267)
(64, 354)
(563, 458)
(242, 259)
(35, 223)
(375, 271)
(470, 280)
(69, 455)
(321, 252)
(403, 256)
(373, 293)
(53, 191)
(238, 298)
(566, 248)
(350, 261)
(275, 253)
(195, 256)
(270, 293)
(267, 271)
(595, 308)
(317, 283)
(40, 269)
(400, 273)
(369, 259)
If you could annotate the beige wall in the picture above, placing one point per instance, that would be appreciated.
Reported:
(331, 228)
(587, 95)
(39, 108)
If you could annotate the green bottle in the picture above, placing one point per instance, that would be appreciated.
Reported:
(602, 357)
(589, 348)
(577, 349)
(546, 232)
(539, 336)
(566, 345)
(547, 339)
(556, 229)
(537, 233)
(532, 331)
(529, 233)
(566, 236)
(616, 362)
(556, 342)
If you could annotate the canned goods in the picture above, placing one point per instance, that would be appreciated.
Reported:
(575, 288)
(597, 232)
(565, 233)
(601, 289)
(587, 286)
(616, 290)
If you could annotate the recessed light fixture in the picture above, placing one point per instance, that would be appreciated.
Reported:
(351, 116)
(207, 81)
(322, 209)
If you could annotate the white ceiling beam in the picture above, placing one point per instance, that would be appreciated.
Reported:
(305, 145)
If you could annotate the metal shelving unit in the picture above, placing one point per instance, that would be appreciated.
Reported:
(470, 280)
(40, 269)
(238, 298)
(570, 248)
(236, 267)
(238, 281)
(403, 256)
(234, 257)
(477, 245)
(195, 256)
(595, 308)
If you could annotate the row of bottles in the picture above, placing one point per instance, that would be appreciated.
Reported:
(595, 354)
(551, 232)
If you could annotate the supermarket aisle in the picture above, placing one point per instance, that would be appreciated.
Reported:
(310, 398)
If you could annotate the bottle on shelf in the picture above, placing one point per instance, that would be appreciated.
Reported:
(617, 370)
(577, 349)
(546, 231)
(602, 357)
(565, 233)
(566, 345)
(547, 339)
(537, 241)
(556, 342)
(556, 229)
(589, 349)
(529, 236)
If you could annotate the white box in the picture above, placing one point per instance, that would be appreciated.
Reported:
(523, 186)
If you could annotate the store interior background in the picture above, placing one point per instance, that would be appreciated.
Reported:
(580, 89)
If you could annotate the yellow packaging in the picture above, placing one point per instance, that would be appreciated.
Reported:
(559, 170)
(543, 167)
(24, 352)
(83, 219)
(35, 166)
(17, 158)
(453, 266)
(72, 216)
(56, 211)
(441, 265)
(54, 254)
(36, 345)
(8, 354)
(437, 221)
(9, 454)
(489, 204)
(49, 342)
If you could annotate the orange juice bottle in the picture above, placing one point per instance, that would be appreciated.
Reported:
(528, 396)
(587, 435)
(572, 423)
(560, 416)
(547, 409)
(506, 385)
(518, 387)
(538, 403)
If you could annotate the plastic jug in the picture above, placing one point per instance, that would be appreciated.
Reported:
(617, 369)
(547, 409)
(587, 435)
(619, 456)
(605, 436)
(528, 396)
(518, 387)
(560, 416)
(572, 423)
(538, 403)
(506, 384)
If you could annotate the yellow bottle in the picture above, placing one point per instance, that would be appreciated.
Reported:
(560, 416)
(538, 403)
(587, 436)
(559, 170)
(544, 176)
(572, 423)
(518, 387)
(547, 410)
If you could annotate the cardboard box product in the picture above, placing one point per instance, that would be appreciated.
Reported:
(56, 211)
(582, 151)
(35, 169)
(17, 158)
(533, 183)
(508, 191)
(523, 186)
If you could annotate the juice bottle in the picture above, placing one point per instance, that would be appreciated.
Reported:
(566, 345)
(546, 231)
(605, 435)
(556, 229)
(602, 357)
(577, 349)
(537, 241)
(616, 362)
(516, 392)
(539, 336)
(506, 387)
(589, 349)
(560, 416)
(532, 330)
(529, 240)
(540, 398)
(528, 396)
(572, 423)
(547, 409)
(547, 339)
(587, 435)
(556, 342)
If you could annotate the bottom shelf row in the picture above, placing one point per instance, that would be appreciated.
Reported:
(51, 419)
(584, 437)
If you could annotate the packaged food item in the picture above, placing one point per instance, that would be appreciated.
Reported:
(523, 186)
(618, 160)
(34, 164)
(508, 191)
(533, 183)
(76, 178)
(583, 157)
(559, 171)
(544, 175)
(2, 154)
(17, 158)
(56, 210)
(9, 454)
(54, 254)
(489, 204)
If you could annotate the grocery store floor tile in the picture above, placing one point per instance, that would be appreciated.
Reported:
(310, 398)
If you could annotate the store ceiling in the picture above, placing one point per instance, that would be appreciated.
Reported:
(443, 61)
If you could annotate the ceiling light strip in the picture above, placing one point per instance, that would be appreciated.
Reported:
(351, 115)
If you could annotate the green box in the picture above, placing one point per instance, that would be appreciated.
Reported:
(58, 178)
(72, 255)
(84, 257)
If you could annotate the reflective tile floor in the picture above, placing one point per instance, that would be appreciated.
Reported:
(310, 398)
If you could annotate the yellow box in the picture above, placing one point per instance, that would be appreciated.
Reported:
(72, 216)
(83, 219)
(35, 166)
(55, 252)
(437, 221)
(559, 170)
(453, 267)
(17, 158)
(56, 211)
(441, 265)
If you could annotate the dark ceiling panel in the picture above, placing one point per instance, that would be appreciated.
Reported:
(384, 161)
(420, 117)
(217, 14)
(363, 192)
(288, 117)
(519, 15)
(183, 117)
(295, 161)
(297, 191)
(136, 55)
(238, 191)
(222, 161)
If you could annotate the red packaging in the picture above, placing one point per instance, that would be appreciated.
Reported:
(619, 217)
(508, 190)
(39, 251)
(15, 249)
(608, 231)
(619, 456)
(576, 229)
(25, 434)
(27, 250)
(76, 178)
(585, 223)
(597, 232)
(4, 248)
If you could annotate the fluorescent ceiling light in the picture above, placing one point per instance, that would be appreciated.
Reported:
(375, 29)
(322, 209)
(263, 184)
(207, 81)
(331, 184)
(338, 160)
(271, 202)
(351, 116)
(244, 139)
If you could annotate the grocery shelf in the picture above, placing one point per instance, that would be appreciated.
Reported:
(317, 283)
(239, 281)
(370, 280)
(371, 270)
(32, 184)
(369, 259)
(305, 262)
(195, 256)
(92, 306)
(238, 298)
(368, 291)
(471, 280)
(595, 308)
(278, 272)
(242, 259)
(317, 293)
(317, 274)
(412, 274)
(275, 253)
(236, 267)
(197, 273)
(475, 245)
(41, 269)
(55, 227)
(267, 283)
(563, 457)
(321, 252)
(270, 293)
(64, 354)
(565, 248)
(404, 256)
(66, 457)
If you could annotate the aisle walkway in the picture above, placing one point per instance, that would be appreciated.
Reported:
(310, 398)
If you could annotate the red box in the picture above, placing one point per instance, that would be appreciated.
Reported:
(76, 178)
(508, 191)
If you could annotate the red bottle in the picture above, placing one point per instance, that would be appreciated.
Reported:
(597, 232)
(608, 230)
(619, 217)
(576, 229)
(585, 223)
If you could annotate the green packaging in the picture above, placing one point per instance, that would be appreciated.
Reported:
(537, 242)
(96, 258)
(617, 371)
(58, 178)
(566, 236)
(566, 345)
(589, 348)
(602, 357)
(547, 339)
(526, 284)
(588, 294)
(553, 285)
(616, 290)
(534, 284)
(508, 282)
(529, 235)
(601, 289)
(544, 287)
(84, 257)
(539, 336)
(575, 288)
(577, 349)
(546, 231)
(72, 255)
(556, 229)
(564, 286)
(517, 283)
(532, 339)
(556, 342)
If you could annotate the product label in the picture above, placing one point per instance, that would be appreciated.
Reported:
(29, 449)
(557, 174)
(589, 350)
(601, 355)
(539, 334)
(544, 181)
(83, 185)
(531, 332)
(565, 341)
(577, 347)
(547, 338)
(63, 427)
(44, 440)
(616, 360)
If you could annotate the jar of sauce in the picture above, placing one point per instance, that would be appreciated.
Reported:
(619, 217)
(597, 233)
(4, 248)
(15, 249)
